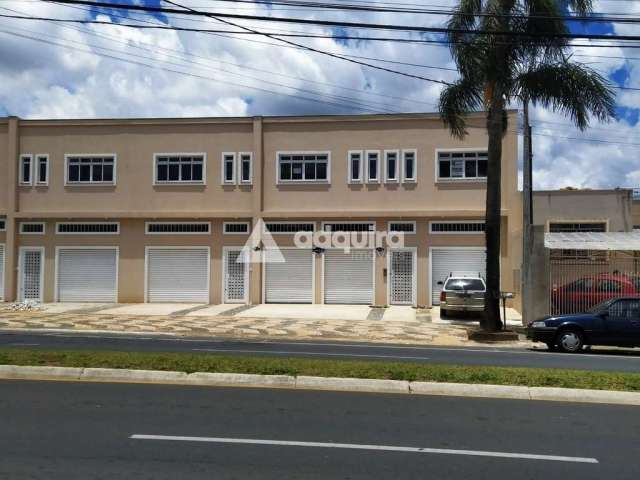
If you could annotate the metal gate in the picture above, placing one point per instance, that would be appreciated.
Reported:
(579, 280)
(402, 277)
(235, 276)
(31, 273)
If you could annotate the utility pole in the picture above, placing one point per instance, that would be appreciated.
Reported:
(527, 217)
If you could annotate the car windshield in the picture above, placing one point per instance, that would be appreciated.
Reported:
(600, 307)
(464, 284)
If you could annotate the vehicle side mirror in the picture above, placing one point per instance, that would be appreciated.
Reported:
(440, 283)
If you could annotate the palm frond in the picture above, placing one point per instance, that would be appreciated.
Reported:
(573, 89)
(459, 98)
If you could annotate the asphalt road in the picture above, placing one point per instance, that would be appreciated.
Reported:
(610, 360)
(69, 431)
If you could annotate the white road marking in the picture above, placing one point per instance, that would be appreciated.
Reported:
(355, 446)
(20, 344)
(322, 354)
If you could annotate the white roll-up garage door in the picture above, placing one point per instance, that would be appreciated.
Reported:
(290, 281)
(178, 274)
(87, 275)
(454, 260)
(348, 277)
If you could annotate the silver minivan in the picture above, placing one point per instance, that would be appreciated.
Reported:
(462, 293)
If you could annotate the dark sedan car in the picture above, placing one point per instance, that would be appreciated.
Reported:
(615, 322)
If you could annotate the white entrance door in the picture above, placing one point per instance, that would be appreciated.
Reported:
(348, 277)
(290, 281)
(87, 274)
(178, 274)
(402, 277)
(31, 273)
(236, 275)
(446, 260)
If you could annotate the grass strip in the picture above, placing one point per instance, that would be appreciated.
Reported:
(202, 362)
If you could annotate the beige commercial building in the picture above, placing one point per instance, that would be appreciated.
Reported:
(157, 210)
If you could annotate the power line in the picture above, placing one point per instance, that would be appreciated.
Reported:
(180, 56)
(315, 50)
(594, 140)
(426, 42)
(190, 74)
(329, 23)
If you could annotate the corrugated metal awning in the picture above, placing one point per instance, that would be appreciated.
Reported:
(593, 241)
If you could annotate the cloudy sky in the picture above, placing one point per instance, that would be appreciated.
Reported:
(63, 70)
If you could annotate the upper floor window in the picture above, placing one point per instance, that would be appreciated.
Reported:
(177, 228)
(391, 170)
(88, 228)
(303, 167)
(373, 166)
(42, 169)
(462, 165)
(3, 224)
(26, 169)
(90, 169)
(246, 167)
(288, 227)
(409, 166)
(229, 168)
(475, 226)
(355, 166)
(179, 168)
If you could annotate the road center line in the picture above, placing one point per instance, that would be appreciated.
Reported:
(355, 446)
(322, 354)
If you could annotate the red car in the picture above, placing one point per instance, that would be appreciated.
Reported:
(582, 294)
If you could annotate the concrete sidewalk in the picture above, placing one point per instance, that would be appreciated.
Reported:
(402, 325)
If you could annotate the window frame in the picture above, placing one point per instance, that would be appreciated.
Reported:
(604, 222)
(464, 179)
(279, 154)
(240, 170)
(346, 222)
(413, 223)
(90, 183)
(386, 166)
(22, 224)
(161, 183)
(452, 222)
(37, 158)
(223, 164)
(414, 178)
(368, 171)
(224, 228)
(265, 229)
(58, 232)
(147, 232)
(21, 159)
(350, 178)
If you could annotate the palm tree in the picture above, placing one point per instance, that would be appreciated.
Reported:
(509, 51)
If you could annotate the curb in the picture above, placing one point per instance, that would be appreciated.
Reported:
(114, 375)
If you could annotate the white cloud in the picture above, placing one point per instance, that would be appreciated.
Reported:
(39, 80)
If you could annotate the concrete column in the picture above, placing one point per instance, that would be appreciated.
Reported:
(11, 244)
(539, 272)
(257, 206)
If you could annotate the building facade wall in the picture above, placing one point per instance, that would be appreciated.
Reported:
(613, 207)
(134, 200)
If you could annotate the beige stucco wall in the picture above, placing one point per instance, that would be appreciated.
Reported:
(134, 146)
(610, 206)
(4, 164)
(635, 213)
(134, 199)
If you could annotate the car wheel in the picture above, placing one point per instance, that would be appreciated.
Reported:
(443, 313)
(570, 341)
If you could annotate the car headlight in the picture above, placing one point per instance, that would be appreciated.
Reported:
(538, 324)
